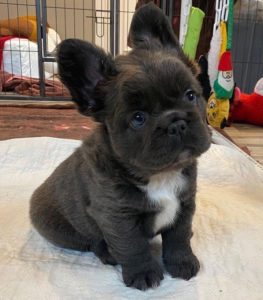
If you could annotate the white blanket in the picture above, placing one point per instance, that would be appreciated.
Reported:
(228, 232)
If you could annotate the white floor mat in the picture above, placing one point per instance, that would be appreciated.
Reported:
(228, 232)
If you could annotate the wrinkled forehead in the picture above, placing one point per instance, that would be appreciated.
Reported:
(162, 69)
(155, 80)
(142, 92)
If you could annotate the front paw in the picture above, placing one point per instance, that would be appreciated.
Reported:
(183, 266)
(143, 277)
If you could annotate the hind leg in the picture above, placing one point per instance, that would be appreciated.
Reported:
(56, 229)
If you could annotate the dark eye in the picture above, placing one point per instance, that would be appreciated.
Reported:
(190, 96)
(138, 119)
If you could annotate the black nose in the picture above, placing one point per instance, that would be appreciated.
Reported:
(177, 128)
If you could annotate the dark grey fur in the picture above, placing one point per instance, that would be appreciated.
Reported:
(93, 200)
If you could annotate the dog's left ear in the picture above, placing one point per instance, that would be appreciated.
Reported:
(85, 69)
(150, 29)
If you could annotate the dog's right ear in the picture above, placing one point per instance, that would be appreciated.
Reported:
(84, 69)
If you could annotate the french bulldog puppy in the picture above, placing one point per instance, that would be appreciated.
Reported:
(135, 176)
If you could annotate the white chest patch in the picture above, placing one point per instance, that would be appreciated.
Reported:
(163, 190)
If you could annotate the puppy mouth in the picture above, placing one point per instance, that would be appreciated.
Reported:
(183, 158)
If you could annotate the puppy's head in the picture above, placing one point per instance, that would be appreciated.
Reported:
(149, 100)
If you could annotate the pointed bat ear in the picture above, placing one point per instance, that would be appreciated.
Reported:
(150, 27)
(83, 68)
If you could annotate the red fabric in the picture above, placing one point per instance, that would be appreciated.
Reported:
(4, 76)
(31, 86)
(225, 63)
(248, 109)
(2, 44)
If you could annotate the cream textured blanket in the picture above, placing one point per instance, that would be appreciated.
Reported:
(228, 232)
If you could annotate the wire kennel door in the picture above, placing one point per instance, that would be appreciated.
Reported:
(106, 23)
(103, 22)
(248, 51)
(23, 66)
(97, 21)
